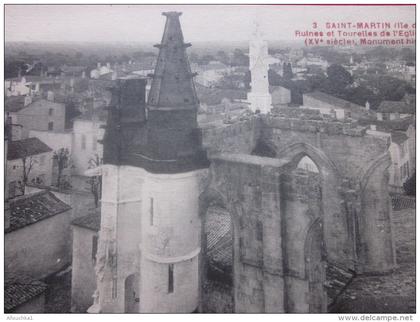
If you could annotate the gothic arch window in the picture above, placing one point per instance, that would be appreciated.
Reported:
(307, 164)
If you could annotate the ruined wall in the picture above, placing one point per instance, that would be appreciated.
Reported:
(239, 137)
(83, 272)
(288, 224)
(250, 184)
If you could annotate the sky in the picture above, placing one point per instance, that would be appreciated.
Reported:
(101, 23)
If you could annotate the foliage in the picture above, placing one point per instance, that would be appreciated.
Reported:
(61, 158)
(287, 71)
(95, 182)
(274, 79)
(338, 78)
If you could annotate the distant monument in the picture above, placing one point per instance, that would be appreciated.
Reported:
(259, 97)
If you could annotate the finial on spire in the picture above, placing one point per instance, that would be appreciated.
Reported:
(172, 14)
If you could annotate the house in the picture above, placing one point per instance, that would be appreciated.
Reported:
(100, 71)
(391, 110)
(24, 295)
(87, 131)
(85, 246)
(30, 157)
(77, 71)
(37, 234)
(36, 114)
(17, 87)
(210, 74)
(142, 67)
(334, 106)
(280, 96)
(402, 137)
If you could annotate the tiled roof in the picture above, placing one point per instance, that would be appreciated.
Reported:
(391, 125)
(214, 96)
(396, 106)
(90, 221)
(20, 290)
(335, 101)
(27, 147)
(219, 238)
(337, 279)
(32, 208)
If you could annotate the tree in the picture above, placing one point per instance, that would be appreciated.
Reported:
(27, 164)
(61, 159)
(95, 182)
(274, 79)
(339, 77)
(239, 58)
(287, 71)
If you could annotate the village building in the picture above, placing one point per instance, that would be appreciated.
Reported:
(392, 110)
(87, 133)
(335, 107)
(24, 295)
(401, 134)
(37, 235)
(30, 157)
(36, 114)
(85, 246)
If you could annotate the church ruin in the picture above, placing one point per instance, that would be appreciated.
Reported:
(305, 196)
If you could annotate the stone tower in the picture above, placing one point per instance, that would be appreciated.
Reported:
(259, 97)
(150, 236)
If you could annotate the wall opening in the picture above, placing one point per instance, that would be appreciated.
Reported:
(218, 267)
(308, 165)
(131, 294)
(171, 278)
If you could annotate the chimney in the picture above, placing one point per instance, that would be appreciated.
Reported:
(28, 100)
(108, 65)
(367, 106)
(373, 127)
(50, 96)
(98, 65)
(37, 87)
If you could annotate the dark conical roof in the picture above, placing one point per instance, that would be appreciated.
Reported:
(172, 85)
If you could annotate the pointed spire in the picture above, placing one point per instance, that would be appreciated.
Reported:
(172, 85)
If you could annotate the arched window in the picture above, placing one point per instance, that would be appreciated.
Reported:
(307, 164)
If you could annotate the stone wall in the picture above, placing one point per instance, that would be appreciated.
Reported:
(83, 271)
(239, 137)
(40, 249)
(287, 223)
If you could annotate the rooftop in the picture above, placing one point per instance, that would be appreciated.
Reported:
(16, 103)
(214, 96)
(390, 125)
(25, 148)
(32, 208)
(396, 107)
(332, 100)
(90, 221)
(20, 290)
